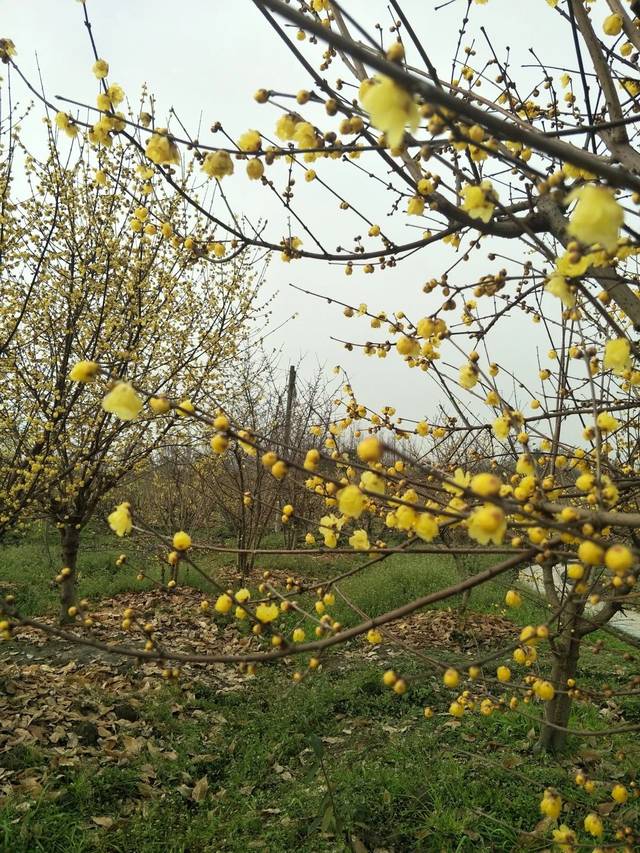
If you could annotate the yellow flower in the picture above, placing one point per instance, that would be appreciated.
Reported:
(501, 427)
(426, 527)
(631, 86)
(115, 94)
(451, 678)
(617, 355)
(298, 635)
(217, 164)
(619, 559)
(7, 49)
(100, 68)
(406, 517)
(544, 690)
(223, 604)
(159, 405)
(525, 465)
(407, 346)
(374, 636)
(551, 804)
(620, 793)
(185, 408)
(255, 169)
(557, 285)
(565, 838)
(286, 127)
(84, 371)
(120, 520)
(330, 538)
(305, 135)
(593, 825)
(311, 459)
(351, 501)
(390, 108)
(597, 216)
(369, 449)
(606, 422)
(249, 141)
(359, 540)
(62, 120)
(123, 402)
(181, 541)
(267, 612)
(479, 200)
(612, 25)
(468, 376)
(568, 265)
(372, 482)
(513, 598)
(487, 524)
(161, 149)
(242, 595)
(415, 207)
(278, 470)
(486, 485)
(503, 673)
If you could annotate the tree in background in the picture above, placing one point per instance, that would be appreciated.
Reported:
(108, 285)
(236, 484)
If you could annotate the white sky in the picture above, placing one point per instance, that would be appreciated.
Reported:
(206, 58)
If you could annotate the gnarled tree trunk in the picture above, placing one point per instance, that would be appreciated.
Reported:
(69, 547)
(553, 737)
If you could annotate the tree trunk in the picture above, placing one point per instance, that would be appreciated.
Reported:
(558, 710)
(242, 558)
(69, 546)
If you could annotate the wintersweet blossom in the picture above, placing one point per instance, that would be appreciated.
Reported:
(123, 402)
(617, 355)
(267, 612)
(100, 68)
(390, 107)
(478, 200)
(359, 540)
(351, 501)
(84, 371)
(162, 149)
(487, 524)
(597, 216)
(120, 520)
(217, 164)
(249, 141)
(426, 527)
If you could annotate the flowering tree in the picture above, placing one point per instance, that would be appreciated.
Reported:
(546, 182)
(102, 284)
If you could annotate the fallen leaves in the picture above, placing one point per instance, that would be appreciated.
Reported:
(61, 704)
(200, 790)
(104, 822)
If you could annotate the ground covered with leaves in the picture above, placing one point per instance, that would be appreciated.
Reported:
(103, 754)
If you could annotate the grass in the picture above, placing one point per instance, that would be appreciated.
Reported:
(397, 781)
(320, 767)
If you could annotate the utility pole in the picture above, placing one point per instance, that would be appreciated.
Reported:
(291, 392)
(288, 414)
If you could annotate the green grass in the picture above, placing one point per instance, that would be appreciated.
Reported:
(28, 566)
(397, 781)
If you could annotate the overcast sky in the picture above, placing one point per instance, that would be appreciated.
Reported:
(205, 58)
